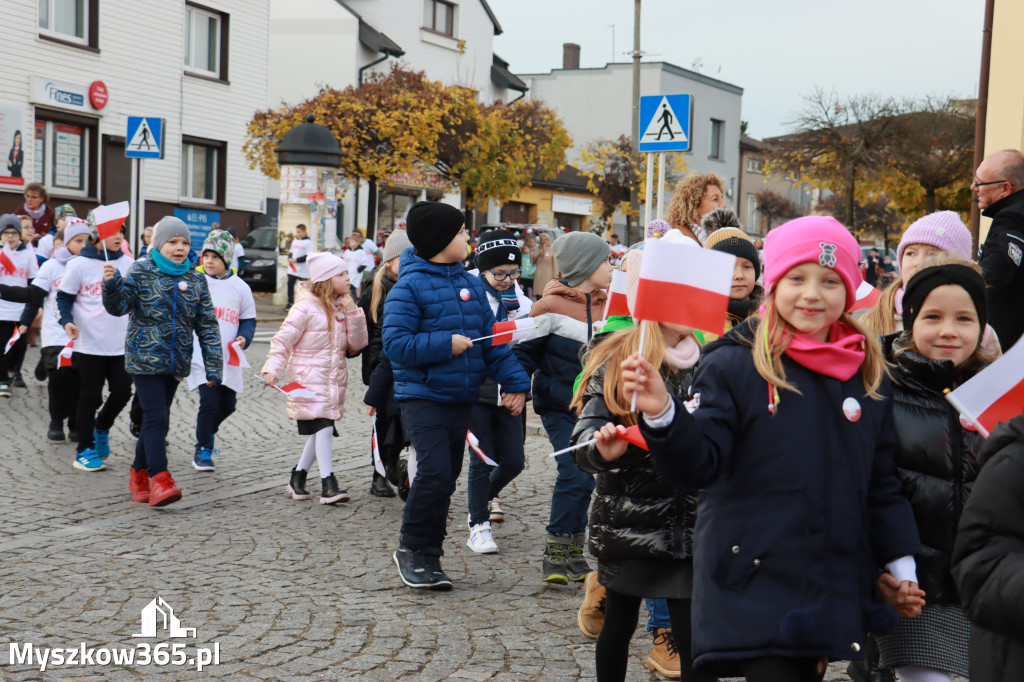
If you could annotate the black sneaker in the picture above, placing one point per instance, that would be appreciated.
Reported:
(56, 430)
(380, 487)
(40, 371)
(18, 381)
(556, 554)
(411, 567)
(438, 580)
(72, 433)
(576, 566)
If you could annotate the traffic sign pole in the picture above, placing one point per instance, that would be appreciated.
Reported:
(648, 195)
(661, 186)
(133, 217)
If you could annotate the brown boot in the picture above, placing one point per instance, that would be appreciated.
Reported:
(664, 657)
(138, 484)
(590, 617)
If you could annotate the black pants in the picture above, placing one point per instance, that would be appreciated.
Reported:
(155, 394)
(781, 669)
(620, 618)
(61, 386)
(216, 403)
(93, 372)
(292, 279)
(10, 362)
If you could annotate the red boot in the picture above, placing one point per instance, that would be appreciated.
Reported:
(138, 483)
(162, 490)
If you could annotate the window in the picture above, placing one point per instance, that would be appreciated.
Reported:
(573, 222)
(206, 37)
(753, 218)
(72, 21)
(200, 172)
(439, 16)
(63, 157)
(755, 165)
(716, 139)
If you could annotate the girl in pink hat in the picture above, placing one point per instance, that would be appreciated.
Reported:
(788, 434)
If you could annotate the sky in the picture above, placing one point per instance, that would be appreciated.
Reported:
(778, 51)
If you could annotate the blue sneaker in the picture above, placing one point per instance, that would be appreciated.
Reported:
(87, 460)
(101, 443)
(203, 461)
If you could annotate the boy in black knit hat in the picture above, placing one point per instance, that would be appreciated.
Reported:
(746, 294)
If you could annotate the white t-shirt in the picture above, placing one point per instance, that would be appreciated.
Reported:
(100, 333)
(44, 247)
(49, 278)
(232, 301)
(26, 268)
(300, 248)
(239, 252)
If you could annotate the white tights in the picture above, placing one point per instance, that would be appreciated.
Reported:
(913, 673)
(318, 446)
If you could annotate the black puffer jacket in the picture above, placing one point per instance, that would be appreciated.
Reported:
(375, 346)
(936, 461)
(636, 513)
(988, 559)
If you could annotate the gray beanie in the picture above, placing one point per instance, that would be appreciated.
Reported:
(169, 227)
(395, 245)
(9, 221)
(579, 254)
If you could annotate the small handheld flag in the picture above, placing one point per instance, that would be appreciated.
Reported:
(295, 390)
(11, 341)
(632, 435)
(616, 304)
(378, 463)
(6, 263)
(109, 219)
(867, 297)
(995, 394)
(291, 266)
(65, 355)
(474, 445)
(511, 330)
(236, 358)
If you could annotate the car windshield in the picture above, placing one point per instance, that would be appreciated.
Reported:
(261, 239)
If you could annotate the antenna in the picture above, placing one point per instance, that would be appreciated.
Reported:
(612, 27)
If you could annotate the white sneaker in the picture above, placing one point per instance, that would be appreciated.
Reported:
(480, 540)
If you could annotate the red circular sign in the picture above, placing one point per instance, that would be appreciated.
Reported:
(98, 94)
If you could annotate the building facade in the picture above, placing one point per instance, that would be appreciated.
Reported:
(75, 70)
(754, 155)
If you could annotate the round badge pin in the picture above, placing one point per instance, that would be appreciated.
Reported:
(182, 286)
(464, 294)
(967, 425)
(851, 409)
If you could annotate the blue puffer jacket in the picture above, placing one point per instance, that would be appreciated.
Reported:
(163, 310)
(796, 510)
(429, 303)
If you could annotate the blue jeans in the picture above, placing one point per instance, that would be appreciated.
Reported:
(501, 438)
(657, 614)
(216, 403)
(155, 395)
(570, 500)
(438, 433)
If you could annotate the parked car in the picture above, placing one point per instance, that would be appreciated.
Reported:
(258, 267)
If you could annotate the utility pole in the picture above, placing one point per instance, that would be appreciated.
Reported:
(633, 231)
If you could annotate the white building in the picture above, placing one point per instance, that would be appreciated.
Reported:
(75, 70)
(335, 43)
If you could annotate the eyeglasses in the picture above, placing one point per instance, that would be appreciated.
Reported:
(982, 184)
(32, 196)
(502, 276)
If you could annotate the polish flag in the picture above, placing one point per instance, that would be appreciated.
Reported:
(616, 304)
(378, 463)
(291, 266)
(109, 219)
(474, 445)
(633, 436)
(867, 297)
(513, 330)
(995, 394)
(683, 284)
(236, 358)
(6, 262)
(295, 390)
(11, 341)
(64, 360)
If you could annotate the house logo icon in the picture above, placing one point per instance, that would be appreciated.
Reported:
(170, 622)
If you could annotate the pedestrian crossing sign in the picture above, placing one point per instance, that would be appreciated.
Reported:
(665, 123)
(145, 138)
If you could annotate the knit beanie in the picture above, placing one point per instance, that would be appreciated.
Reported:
(168, 228)
(943, 230)
(719, 218)
(74, 227)
(395, 245)
(657, 228)
(9, 221)
(735, 241)
(432, 225)
(578, 255)
(64, 211)
(498, 247)
(813, 239)
(221, 243)
(323, 266)
(927, 279)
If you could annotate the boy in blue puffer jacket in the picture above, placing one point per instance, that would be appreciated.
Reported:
(430, 315)
(165, 300)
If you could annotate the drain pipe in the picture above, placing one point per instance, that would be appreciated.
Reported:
(371, 64)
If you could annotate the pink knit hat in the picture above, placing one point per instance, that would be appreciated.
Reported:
(323, 266)
(813, 239)
(943, 230)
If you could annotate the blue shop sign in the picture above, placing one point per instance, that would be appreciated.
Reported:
(199, 224)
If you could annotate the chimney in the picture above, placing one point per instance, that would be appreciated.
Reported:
(570, 56)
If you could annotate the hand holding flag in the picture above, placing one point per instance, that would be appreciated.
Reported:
(630, 434)
(14, 339)
(236, 358)
(292, 390)
(511, 330)
(64, 360)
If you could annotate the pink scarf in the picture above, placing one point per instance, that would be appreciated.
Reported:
(839, 358)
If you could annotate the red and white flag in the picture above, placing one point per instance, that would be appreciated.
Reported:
(513, 330)
(633, 436)
(6, 262)
(616, 304)
(378, 463)
(295, 390)
(11, 341)
(291, 266)
(474, 445)
(995, 394)
(64, 359)
(867, 297)
(684, 284)
(109, 219)
(236, 358)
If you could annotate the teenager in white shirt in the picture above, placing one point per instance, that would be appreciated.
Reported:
(298, 269)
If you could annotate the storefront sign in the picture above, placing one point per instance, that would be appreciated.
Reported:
(12, 145)
(563, 203)
(417, 179)
(199, 224)
(63, 95)
(98, 94)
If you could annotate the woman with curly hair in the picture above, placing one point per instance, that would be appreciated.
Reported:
(696, 195)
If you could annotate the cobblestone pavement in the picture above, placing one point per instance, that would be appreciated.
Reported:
(287, 590)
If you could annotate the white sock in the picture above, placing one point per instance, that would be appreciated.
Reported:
(913, 673)
(308, 453)
(323, 450)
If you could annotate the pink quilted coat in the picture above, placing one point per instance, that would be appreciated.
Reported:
(315, 356)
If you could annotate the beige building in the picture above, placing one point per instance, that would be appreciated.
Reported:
(753, 179)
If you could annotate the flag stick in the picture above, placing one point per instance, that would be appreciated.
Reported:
(970, 417)
(513, 331)
(639, 354)
(574, 447)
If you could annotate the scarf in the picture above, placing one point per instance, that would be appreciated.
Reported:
(684, 354)
(839, 358)
(167, 266)
(899, 300)
(508, 301)
(62, 255)
(34, 214)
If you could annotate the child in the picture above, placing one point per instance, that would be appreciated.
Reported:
(431, 314)
(298, 269)
(649, 550)
(165, 301)
(45, 245)
(565, 314)
(500, 433)
(62, 384)
(99, 345)
(357, 259)
(321, 328)
(147, 239)
(944, 315)
(791, 442)
(380, 398)
(745, 295)
(18, 268)
(235, 309)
